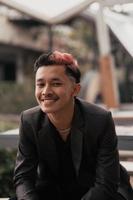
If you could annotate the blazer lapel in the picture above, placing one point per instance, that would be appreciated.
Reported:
(47, 146)
(77, 139)
(76, 147)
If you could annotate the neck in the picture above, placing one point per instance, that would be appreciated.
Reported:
(62, 120)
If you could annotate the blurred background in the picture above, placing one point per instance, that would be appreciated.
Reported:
(98, 33)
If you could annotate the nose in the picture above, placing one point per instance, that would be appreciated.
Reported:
(46, 90)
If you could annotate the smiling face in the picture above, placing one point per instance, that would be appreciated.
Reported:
(55, 90)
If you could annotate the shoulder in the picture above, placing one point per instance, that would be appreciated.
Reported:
(91, 109)
(32, 114)
(93, 114)
(32, 111)
(96, 119)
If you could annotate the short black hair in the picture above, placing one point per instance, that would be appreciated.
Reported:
(49, 59)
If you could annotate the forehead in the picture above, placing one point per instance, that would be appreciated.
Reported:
(51, 72)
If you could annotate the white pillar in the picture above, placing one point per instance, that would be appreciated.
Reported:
(109, 87)
(102, 33)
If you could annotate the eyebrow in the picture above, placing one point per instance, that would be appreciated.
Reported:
(53, 79)
(39, 80)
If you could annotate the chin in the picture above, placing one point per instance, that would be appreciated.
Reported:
(47, 110)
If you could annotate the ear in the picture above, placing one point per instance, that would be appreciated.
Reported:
(76, 89)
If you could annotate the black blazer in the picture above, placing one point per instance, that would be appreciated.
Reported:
(94, 153)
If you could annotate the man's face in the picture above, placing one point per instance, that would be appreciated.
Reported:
(54, 90)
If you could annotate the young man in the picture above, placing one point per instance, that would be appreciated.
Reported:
(67, 148)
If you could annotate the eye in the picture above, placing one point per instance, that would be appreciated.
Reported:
(40, 85)
(56, 84)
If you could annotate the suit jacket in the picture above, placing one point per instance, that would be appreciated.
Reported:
(94, 153)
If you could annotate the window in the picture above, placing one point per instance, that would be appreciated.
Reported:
(7, 71)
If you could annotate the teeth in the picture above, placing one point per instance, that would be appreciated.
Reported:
(48, 99)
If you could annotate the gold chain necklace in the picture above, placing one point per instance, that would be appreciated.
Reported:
(64, 131)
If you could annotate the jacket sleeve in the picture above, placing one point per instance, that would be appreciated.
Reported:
(26, 164)
(107, 166)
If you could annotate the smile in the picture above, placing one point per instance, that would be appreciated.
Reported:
(49, 99)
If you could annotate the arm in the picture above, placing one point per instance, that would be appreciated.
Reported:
(107, 166)
(26, 164)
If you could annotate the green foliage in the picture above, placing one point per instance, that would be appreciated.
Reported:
(15, 98)
(7, 160)
(8, 125)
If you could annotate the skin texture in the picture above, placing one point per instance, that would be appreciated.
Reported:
(55, 92)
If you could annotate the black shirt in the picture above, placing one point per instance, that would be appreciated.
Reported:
(66, 175)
